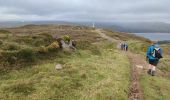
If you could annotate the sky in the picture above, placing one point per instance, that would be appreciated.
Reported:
(85, 10)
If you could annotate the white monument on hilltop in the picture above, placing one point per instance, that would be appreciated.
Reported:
(93, 25)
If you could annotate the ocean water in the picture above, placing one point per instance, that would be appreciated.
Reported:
(155, 36)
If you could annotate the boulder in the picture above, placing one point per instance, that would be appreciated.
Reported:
(58, 67)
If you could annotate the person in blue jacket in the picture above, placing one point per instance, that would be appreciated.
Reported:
(154, 53)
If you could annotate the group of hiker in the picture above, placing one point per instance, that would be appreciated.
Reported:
(123, 46)
(153, 55)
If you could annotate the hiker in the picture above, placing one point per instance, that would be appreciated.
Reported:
(126, 47)
(154, 53)
(122, 46)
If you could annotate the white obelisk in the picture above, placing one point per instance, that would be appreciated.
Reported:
(93, 25)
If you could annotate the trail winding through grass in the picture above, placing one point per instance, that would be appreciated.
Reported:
(135, 92)
(143, 86)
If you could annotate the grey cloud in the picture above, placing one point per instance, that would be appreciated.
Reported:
(92, 10)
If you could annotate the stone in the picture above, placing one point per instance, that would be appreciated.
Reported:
(139, 66)
(58, 67)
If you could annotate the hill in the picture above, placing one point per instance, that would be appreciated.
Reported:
(10, 24)
(143, 27)
(132, 27)
(96, 70)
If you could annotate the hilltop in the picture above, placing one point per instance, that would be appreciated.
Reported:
(96, 70)
(132, 27)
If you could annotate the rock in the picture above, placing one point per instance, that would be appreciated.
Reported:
(58, 67)
(139, 66)
(64, 45)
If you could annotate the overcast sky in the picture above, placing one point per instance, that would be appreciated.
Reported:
(85, 10)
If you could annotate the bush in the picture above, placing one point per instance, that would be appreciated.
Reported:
(27, 54)
(66, 38)
(43, 50)
(38, 42)
(54, 46)
(42, 40)
(11, 46)
(47, 38)
(9, 56)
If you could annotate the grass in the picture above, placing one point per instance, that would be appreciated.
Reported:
(139, 47)
(155, 88)
(14, 45)
(84, 76)
(125, 36)
(96, 71)
(164, 64)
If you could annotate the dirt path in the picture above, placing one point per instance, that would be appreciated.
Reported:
(138, 66)
(103, 35)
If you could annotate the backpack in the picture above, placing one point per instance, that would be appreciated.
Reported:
(157, 53)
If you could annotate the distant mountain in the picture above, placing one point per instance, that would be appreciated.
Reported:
(132, 27)
(165, 42)
(143, 27)
(9, 24)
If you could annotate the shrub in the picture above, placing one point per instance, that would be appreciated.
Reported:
(38, 42)
(43, 50)
(54, 46)
(66, 38)
(9, 56)
(11, 46)
(47, 38)
(27, 54)
(42, 39)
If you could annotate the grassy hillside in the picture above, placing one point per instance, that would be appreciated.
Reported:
(154, 88)
(97, 70)
(157, 87)
(33, 42)
(85, 76)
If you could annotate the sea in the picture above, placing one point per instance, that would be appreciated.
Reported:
(155, 36)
